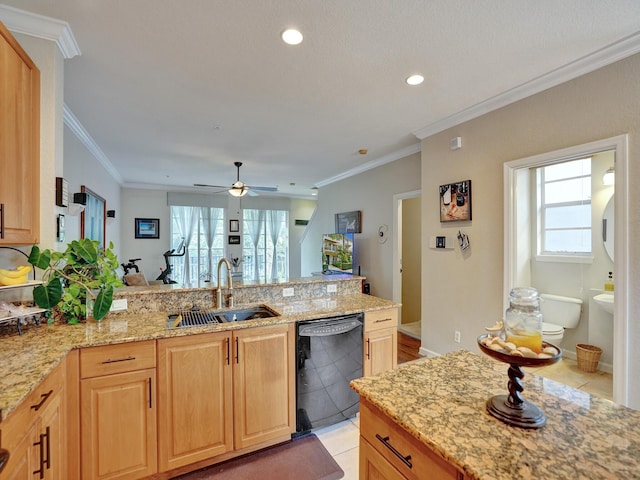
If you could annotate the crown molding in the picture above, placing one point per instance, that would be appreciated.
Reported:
(79, 131)
(600, 58)
(39, 26)
(392, 157)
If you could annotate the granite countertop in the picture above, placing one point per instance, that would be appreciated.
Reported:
(27, 359)
(441, 402)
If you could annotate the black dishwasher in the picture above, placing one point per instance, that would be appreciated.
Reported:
(328, 357)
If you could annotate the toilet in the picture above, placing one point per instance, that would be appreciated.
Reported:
(558, 313)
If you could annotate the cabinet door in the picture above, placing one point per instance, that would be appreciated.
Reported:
(118, 425)
(19, 144)
(195, 416)
(374, 466)
(380, 351)
(21, 463)
(50, 427)
(264, 384)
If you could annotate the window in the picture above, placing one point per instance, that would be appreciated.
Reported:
(564, 209)
(202, 229)
(265, 244)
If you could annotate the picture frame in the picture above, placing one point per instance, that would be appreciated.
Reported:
(147, 228)
(455, 201)
(234, 239)
(234, 225)
(349, 222)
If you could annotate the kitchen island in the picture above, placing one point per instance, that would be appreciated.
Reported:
(437, 408)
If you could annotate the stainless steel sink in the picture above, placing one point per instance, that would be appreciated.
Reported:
(197, 317)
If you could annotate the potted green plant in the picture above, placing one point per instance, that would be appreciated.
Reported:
(83, 272)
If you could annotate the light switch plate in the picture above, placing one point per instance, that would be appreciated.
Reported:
(332, 288)
(118, 305)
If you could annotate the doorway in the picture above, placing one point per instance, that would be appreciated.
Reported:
(407, 284)
(516, 174)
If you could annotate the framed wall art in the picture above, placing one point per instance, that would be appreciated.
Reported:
(234, 239)
(234, 225)
(455, 201)
(348, 222)
(147, 228)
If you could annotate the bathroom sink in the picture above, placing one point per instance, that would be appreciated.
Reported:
(605, 300)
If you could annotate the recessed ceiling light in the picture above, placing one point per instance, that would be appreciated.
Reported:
(415, 79)
(292, 36)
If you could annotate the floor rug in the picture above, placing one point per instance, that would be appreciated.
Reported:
(302, 458)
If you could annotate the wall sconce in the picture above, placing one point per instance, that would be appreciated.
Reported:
(609, 177)
(79, 202)
(111, 216)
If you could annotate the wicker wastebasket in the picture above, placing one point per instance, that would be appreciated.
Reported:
(588, 357)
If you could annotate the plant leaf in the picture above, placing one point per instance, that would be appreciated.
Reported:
(103, 302)
(48, 296)
(85, 249)
(40, 259)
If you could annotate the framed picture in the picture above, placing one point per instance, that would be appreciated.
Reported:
(455, 201)
(348, 222)
(147, 228)
(234, 225)
(234, 239)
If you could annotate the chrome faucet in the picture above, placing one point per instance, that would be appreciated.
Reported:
(229, 283)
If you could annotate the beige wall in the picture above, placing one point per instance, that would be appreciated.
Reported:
(466, 293)
(372, 193)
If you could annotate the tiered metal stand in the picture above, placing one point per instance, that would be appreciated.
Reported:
(512, 409)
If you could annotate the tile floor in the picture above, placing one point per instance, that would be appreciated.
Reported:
(341, 440)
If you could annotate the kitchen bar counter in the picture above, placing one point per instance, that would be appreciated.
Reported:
(441, 402)
(25, 360)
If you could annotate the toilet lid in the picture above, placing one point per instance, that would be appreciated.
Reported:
(551, 329)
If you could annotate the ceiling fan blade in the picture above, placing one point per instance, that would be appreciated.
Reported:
(209, 186)
(251, 193)
(264, 189)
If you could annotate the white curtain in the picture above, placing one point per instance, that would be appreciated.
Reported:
(274, 217)
(254, 225)
(187, 222)
(210, 218)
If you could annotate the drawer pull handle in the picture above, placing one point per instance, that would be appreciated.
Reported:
(1, 220)
(385, 442)
(368, 349)
(43, 398)
(380, 320)
(115, 360)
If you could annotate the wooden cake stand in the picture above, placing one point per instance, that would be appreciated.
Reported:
(512, 409)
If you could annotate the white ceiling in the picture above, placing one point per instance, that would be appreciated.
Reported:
(174, 91)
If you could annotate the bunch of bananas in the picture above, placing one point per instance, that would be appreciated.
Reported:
(16, 276)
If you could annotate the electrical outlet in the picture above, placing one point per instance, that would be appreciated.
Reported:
(332, 288)
(118, 305)
(456, 336)
(287, 292)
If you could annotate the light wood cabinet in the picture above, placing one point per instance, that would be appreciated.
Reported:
(388, 452)
(263, 384)
(19, 144)
(380, 341)
(195, 413)
(224, 392)
(118, 411)
(34, 434)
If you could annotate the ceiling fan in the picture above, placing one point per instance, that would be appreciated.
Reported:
(239, 188)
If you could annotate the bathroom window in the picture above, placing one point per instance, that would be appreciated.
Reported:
(564, 210)
(265, 244)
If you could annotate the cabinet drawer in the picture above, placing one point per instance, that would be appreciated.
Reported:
(409, 456)
(380, 319)
(118, 358)
(18, 422)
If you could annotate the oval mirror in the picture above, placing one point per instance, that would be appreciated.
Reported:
(608, 227)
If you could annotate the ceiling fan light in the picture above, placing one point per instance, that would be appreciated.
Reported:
(238, 191)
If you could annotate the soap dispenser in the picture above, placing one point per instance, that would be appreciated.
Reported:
(608, 285)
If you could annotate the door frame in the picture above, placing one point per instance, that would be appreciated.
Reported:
(397, 244)
(621, 271)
